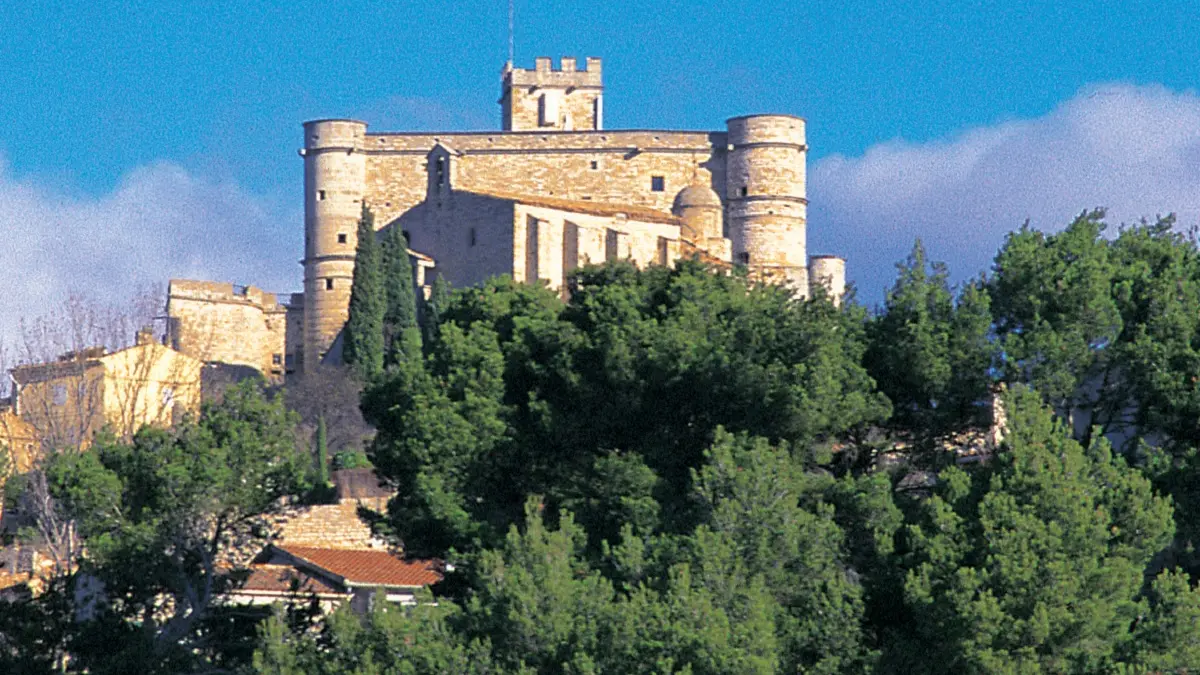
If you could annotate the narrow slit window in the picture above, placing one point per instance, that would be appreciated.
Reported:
(658, 183)
(321, 195)
(595, 164)
(472, 236)
(329, 284)
(744, 191)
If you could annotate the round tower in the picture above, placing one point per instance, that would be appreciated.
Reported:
(767, 199)
(830, 272)
(334, 181)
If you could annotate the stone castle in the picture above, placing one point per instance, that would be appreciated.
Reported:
(550, 191)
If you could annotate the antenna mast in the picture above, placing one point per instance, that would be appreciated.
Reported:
(510, 32)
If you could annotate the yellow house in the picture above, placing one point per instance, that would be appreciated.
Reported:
(69, 400)
(19, 438)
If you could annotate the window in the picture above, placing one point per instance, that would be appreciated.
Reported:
(329, 284)
(277, 359)
(658, 183)
(341, 237)
(744, 257)
(321, 195)
(595, 164)
(472, 236)
(743, 191)
(441, 170)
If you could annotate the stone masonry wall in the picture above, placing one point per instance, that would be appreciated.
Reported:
(551, 164)
(223, 323)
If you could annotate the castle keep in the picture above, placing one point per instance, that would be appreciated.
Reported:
(551, 190)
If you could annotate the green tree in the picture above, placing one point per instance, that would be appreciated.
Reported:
(157, 515)
(1032, 564)
(363, 340)
(322, 454)
(403, 336)
(928, 353)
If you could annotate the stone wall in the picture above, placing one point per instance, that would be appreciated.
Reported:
(233, 325)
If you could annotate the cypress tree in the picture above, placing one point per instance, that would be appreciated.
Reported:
(403, 338)
(322, 453)
(363, 343)
(439, 299)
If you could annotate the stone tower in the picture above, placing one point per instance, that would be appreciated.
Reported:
(334, 180)
(544, 99)
(766, 202)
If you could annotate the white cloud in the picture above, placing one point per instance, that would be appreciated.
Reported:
(1132, 149)
(159, 222)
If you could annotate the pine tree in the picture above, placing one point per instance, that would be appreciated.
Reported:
(363, 337)
(403, 337)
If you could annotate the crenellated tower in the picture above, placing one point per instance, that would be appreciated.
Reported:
(334, 182)
(546, 99)
(766, 198)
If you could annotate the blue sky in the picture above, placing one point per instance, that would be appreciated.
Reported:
(161, 136)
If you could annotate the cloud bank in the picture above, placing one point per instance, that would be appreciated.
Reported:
(159, 222)
(1134, 150)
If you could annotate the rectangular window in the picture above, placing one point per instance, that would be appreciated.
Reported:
(595, 164)
(744, 257)
(744, 191)
(277, 359)
(341, 237)
(321, 195)
(472, 236)
(658, 183)
(329, 284)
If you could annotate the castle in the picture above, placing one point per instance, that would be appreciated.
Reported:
(550, 191)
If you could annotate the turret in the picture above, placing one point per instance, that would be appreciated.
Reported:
(546, 99)
(701, 211)
(767, 201)
(334, 181)
(830, 272)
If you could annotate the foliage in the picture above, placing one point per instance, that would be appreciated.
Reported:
(1033, 563)
(363, 339)
(402, 336)
(157, 513)
(929, 353)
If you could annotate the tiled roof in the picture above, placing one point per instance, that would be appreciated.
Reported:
(631, 211)
(368, 568)
(285, 579)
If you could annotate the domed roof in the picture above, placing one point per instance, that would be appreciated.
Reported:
(697, 194)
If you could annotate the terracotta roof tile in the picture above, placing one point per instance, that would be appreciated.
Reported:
(368, 568)
(285, 579)
(633, 212)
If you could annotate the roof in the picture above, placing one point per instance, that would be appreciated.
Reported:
(285, 579)
(367, 568)
(697, 194)
(631, 211)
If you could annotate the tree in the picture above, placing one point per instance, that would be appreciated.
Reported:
(439, 300)
(929, 353)
(363, 346)
(1031, 564)
(160, 514)
(322, 454)
(403, 336)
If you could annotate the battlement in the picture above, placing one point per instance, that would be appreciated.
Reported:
(213, 291)
(550, 99)
(566, 76)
